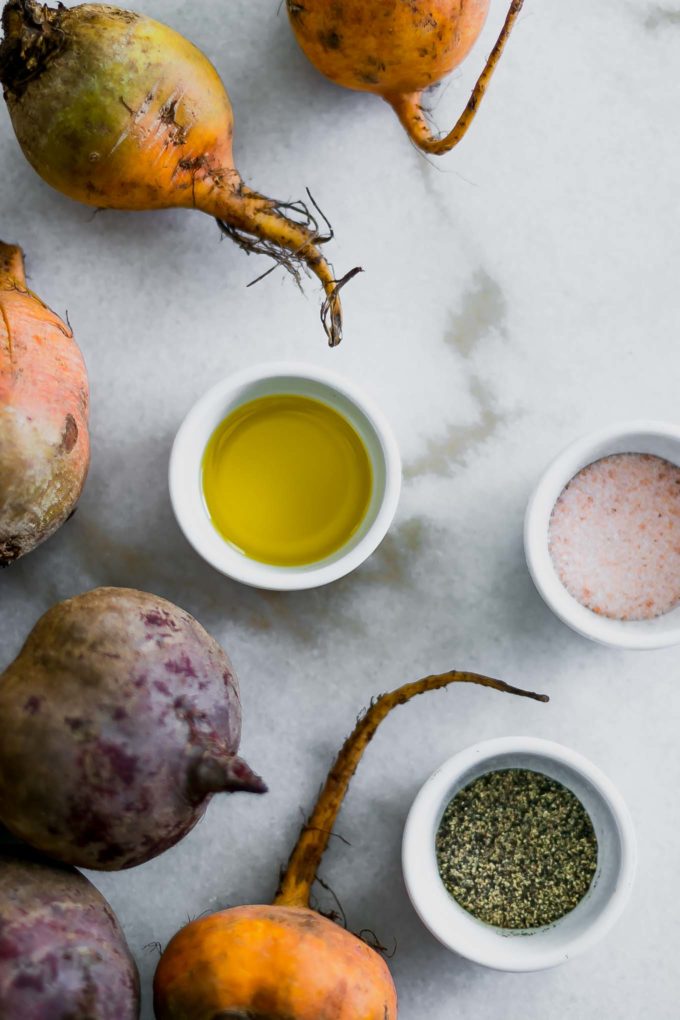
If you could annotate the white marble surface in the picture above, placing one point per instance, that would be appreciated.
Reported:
(517, 293)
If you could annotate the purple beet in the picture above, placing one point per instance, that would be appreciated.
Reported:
(119, 718)
(62, 953)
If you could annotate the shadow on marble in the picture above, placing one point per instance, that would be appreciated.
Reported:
(660, 17)
(119, 547)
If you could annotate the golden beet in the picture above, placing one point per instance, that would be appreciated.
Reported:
(120, 112)
(281, 961)
(397, 50)
(44, 442)
(286, 961)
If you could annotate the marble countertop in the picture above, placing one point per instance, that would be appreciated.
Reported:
(517, 293)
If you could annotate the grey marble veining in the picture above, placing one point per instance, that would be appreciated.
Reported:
(517, 292)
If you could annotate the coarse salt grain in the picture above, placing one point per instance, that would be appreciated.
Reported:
(614, 536)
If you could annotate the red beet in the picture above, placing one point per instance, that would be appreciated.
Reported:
(120, 717)
(62, 953)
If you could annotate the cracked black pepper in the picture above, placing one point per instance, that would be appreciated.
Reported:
(516, 849)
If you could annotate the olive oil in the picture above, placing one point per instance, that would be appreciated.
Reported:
(287, 480)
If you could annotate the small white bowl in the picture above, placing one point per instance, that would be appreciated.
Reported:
(186, 490)
(506, 949)
(659, 438)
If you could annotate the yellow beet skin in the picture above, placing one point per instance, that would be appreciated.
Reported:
(132, 115)
(121, 112)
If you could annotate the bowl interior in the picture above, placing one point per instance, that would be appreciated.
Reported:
(187, 488)
(662, 441)
(509, 949)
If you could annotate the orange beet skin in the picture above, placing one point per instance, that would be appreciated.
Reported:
(272, 961)
(387, 46)
(44, 397)
(397, 49)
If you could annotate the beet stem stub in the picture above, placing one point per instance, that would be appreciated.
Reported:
(410, 112)
(214, 774)
(12, 272)
(31, 37)
(300, 874)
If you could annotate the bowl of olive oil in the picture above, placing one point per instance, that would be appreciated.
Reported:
(285, 476)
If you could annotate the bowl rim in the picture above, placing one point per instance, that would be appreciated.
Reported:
(425, 813)
(238, 566)
(660, 632)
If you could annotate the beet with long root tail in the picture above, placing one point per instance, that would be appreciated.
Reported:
(119, 111)
(286, 961)
(397, 50)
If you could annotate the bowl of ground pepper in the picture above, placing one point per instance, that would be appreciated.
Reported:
(519, 854)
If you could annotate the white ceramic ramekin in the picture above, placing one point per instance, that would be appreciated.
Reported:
(541, 948)
(186, 490)
(654, 437)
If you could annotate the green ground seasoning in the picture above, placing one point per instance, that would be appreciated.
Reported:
(516, 849)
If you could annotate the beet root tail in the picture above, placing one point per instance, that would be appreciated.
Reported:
(262, 226)
(409, 110)
(300, 873)
(215, 773)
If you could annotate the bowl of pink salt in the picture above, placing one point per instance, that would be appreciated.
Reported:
(602, 535)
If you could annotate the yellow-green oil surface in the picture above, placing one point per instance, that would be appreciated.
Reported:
(287, 480)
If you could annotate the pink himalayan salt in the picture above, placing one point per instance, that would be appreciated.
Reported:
(614, 536)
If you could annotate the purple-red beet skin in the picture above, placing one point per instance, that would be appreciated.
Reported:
(62, 953)
(120, 717)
